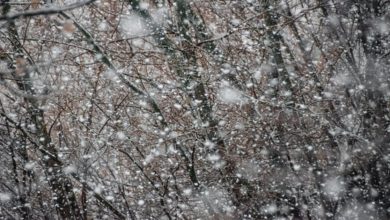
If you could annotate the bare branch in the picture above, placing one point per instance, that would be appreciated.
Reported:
(46, 11)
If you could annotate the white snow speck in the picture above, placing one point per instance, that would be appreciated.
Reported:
(213, 157)
(5, 197)
(56, 51)
(148, 159)
(159, 15)
(341, 79)
(270, 209)
(177, 106)
(297, 167)
(70, 169)
(144, 5)
(110, 74)
(187, 192)
(29, 165)
(235, 22)
(109, 198)
(209, 144)
(334, 20)
(334, 187)
(226, 68)
(98, 189)
(103, 26)
(273, 82)
(121, 135)
(231, 95)
(133, 26)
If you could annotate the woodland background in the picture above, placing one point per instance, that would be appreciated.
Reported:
(201, 109)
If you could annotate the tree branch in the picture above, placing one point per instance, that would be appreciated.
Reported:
(46, 11)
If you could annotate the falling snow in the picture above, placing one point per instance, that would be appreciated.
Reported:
(195, 109)
(230, 95)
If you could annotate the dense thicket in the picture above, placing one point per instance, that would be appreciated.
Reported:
(195, 109)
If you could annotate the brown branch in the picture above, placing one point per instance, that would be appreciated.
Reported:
(46, 11)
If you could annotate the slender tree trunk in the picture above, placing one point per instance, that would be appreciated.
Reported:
(62, 187)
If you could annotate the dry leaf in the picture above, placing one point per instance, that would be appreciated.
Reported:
(35, 3)
(69, 26)
(20, 66)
